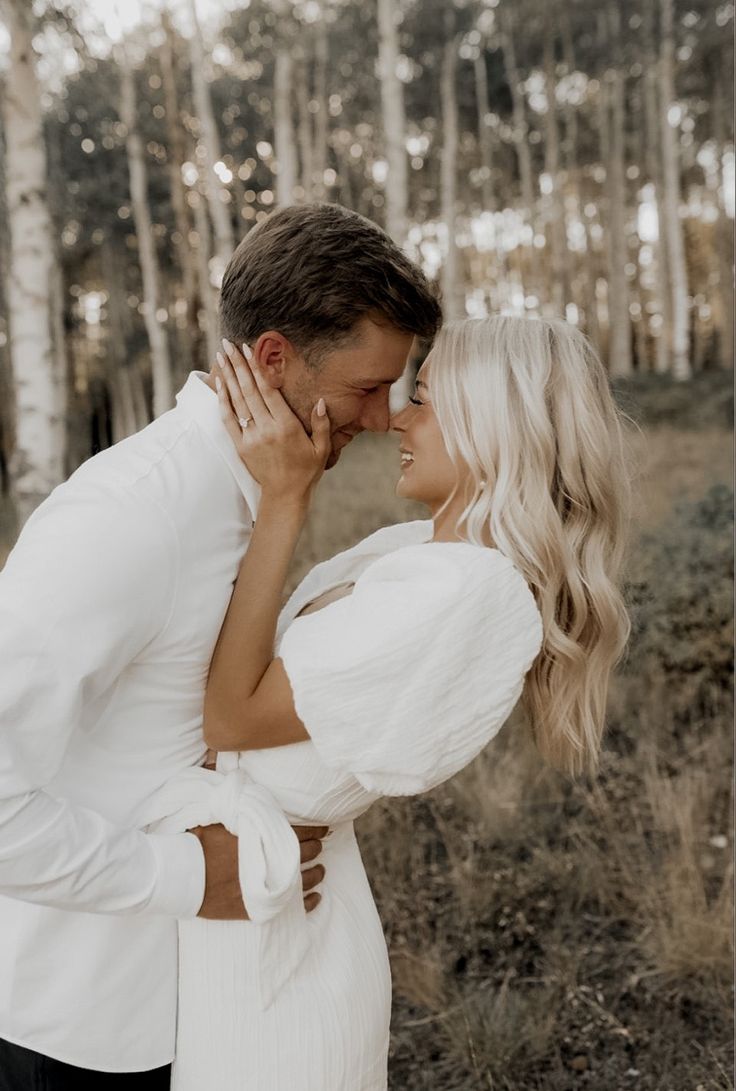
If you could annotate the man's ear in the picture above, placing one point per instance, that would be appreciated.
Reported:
(273, 352)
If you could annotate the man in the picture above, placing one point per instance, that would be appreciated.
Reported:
(110, 607)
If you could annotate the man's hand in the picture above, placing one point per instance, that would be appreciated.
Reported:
(223, 900)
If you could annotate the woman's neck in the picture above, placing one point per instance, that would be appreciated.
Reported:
(446, 519)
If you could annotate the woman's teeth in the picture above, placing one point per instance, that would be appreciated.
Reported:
(406, 458)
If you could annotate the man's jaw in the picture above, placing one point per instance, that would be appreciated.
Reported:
(337, 450)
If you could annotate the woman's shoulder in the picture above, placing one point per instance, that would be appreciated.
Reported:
(349, 564)
(465, 561)
(472, 584)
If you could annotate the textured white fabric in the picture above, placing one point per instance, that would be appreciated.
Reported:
(403, 682)
(268, 861)
(399, 684)
(110, 606)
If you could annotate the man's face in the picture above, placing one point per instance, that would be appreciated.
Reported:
(353, 380)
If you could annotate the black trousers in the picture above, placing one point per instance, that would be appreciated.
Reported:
(22, 1069)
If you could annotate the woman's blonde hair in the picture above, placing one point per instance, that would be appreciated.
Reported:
(526, 405)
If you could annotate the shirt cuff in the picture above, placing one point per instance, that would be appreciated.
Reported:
(179, 889)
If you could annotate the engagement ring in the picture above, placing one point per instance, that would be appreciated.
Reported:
(244, 422)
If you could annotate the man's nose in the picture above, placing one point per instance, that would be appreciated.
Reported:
(376, 415)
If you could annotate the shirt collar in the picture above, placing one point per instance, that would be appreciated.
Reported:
(199, 402)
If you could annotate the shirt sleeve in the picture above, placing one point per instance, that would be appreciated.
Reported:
(406, 680)
(88, 585)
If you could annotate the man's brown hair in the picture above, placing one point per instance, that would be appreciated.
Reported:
(312, 271)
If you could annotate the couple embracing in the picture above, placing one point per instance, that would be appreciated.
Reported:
(156, 906)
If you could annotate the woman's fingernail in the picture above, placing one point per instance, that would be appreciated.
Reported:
(227, 346)
(321, 407)
(247, 353)
(220, 359)
(218, 383)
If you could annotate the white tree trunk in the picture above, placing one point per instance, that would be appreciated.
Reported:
(451, 289)
(304, 129)
(188, 345)
(60, 361)
(521, 129)
(285, 143)
(321, 118)
(619, 317)
(673, 226)
(218, 196)
(206, 292)
(725, 241)
(485, 139)
(663, 294)
(571, 116)
(36, 464)
(152, 304)
(394, 122)
(554, 201)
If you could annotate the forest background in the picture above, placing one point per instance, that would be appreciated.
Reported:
(559, 157)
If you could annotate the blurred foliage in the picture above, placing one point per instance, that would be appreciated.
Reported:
(704, 401)
(682, 609)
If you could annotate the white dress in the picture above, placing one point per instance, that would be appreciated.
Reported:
(400, 684)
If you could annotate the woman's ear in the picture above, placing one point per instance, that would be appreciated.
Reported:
(272, 352)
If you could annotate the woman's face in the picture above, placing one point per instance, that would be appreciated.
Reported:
(428, 474)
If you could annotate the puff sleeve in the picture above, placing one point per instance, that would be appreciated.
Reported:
(403, 682)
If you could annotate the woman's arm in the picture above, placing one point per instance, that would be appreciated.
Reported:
(248, 699)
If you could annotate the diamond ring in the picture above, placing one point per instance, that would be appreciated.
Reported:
(244, 422)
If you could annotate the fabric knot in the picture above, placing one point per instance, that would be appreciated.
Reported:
(269, 865)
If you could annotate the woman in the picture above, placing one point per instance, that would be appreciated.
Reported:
(390, 667)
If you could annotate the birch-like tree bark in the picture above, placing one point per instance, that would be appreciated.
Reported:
(283, 97)
(554, 200)
(619, 317)
(724, 242)
(521, 128)
(485, 138)
(451, 288)
(218, 197)
(189, 345)
(681, 369)
(321, 117)
(62, 377)
(304, 123)
(204, 251)
(570, 146)
(116, 359)
(394, 122)
(36, 464)
(653, 160)
(7, 423)
(153, 308)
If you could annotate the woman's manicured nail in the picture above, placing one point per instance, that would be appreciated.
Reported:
(218, 384)
(220, 359)
(247, 353)
(227, 346)
(321, 407)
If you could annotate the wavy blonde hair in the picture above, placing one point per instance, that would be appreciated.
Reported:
(526, 405)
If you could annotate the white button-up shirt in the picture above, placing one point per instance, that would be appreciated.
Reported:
(110, 607)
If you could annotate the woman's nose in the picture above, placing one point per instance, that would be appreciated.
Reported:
(398, 420)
